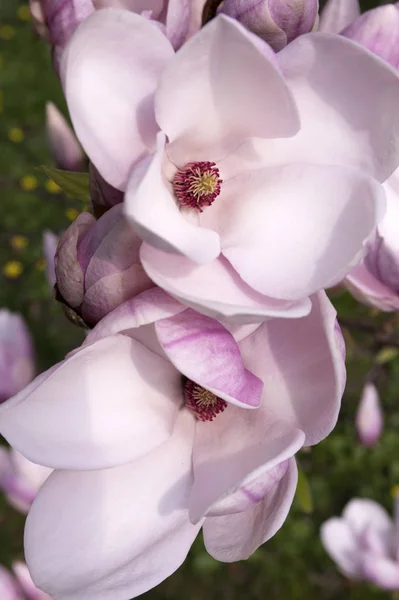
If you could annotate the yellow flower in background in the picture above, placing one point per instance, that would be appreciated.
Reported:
(7, 32)
(13, 269)
(23, 12)
(72, 213)
(40, 264)
(52, 187)
(395, 491)
(19, 242)
(16, 135)
(29, 183)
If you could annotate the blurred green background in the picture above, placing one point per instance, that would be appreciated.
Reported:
(293, 565)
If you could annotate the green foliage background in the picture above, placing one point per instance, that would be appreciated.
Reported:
(293, 565)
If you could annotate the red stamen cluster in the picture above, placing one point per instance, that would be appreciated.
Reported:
(197, 184)
(203, 403)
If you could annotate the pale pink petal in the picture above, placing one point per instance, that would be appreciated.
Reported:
(205, 352)
(22, 481)
(369, 416)
(338, 14)
(146, 308)
(196, 10)
(25, 581)
(302, 366)
(348, 117)
(64, 147)
(103, 406)
(361, 514)
(340, 543)
(9, 589)
(382, 571)
(136, 6)
(369, 290)
(155, 214)
(301, 227)
(215, 289)
(117, 533)
(235, 537)
(193, 103)
(177, 21)
(110, 71)
(238, 446)
(50, 243)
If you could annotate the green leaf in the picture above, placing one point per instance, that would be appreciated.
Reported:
(303, 492)
(73, 184)
(386, 355)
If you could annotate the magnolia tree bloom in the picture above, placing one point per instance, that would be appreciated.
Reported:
(369, 417)
(364, 543)
(276, 21)
(20, 479)
(16, 354)
(61, 17)
(97, 264)
(246, 208)
(166, 422)
(376, 280)
(64, 147)
(19, 585)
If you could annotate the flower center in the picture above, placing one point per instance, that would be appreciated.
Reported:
(202, 402)
(197, 184)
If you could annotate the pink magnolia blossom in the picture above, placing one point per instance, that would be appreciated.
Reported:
(20, 479)
(16, 354)
(97, 264)
(155, 429)
(364, 543)
(338, 14)
(375, 281)
(309, 136)
(64, 147)
(278, 22)
(19, 585)
(369, 417)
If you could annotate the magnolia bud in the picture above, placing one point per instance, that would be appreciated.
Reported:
(378, 30)
(278, 22)
(97, 264)
(16, 355)
(103, 195)
(64, 146)
(369, 417)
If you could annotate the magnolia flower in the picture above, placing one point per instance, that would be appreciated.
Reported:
(155, 429)
(364, 543)
(20, 479)
(62, 17)
(276, 21)
(64, 147)
(338, 14)
(369, 417)
(97, 264)
(19, 585)
(16, 354)
(375, 281)
(250, 206)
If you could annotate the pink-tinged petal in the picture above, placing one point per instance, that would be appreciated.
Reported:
(50, 243)
(193, 101)
(105, 405)
(369, 416)
(349, 116)
(205, 352)
(31, 592)
(124, 532)
(237, 447)
(301, 364)
(338, 14)
(369, 290)
(235, 537)
(146, 308)
(196, 11)
(215, 289)
(22, 480)
(110, 71)
(177, 21)
(340, 543)
(382, 571)
(136, 6)
(64, 147)
(361, 514)
(156, 216)
(9, 589)
(301, 227)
